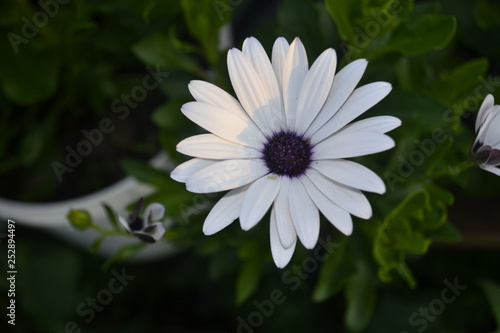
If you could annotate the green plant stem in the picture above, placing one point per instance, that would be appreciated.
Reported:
(457, 169)
(107, 232)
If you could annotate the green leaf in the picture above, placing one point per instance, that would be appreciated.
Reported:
(168, 115)
(335, 273)
(50, 287)
(486, 14)
(79, 218)
(414, 73)
(143, 172)
(413, 242)
(204, 25)
(248, 249)
(422, 34)
(368, 7)
(294, 19)
(492, 292)
(389, 260)
(158, 50)
(124, 253)
(423, 8)
(30, 76)
(418, 113)
(112, 217)
(456, 84)
(446, 233)
(179, 203)
(465, 76)
(437, 158)
(366, 24)
(343, 13)
(32, 145)
(96, 245)
(408, 228)
(222, 263)
(360, 296)
(386, 14)
(248, 279)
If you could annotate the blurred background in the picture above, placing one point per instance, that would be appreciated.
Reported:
(91, 91)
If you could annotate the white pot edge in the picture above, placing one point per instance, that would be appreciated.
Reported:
(51, 216)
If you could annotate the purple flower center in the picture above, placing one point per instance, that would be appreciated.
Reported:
(287, 154)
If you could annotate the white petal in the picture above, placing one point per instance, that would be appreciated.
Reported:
(490, 168)
(280, 49)
(343, 85)
(491, 133)
(185, 170)
(337, 216)
(154, 212)
(152, 233)
(225, 211)
(281, 255)
(305, 214)
(294, 73)
(355, 144)
(223, 123)
(250, 90)
(484, 110)
(226, 175)
(156, 230)
(315, 89)
(379, 124)
(360, 101)
(347, 198)
(351, 174)
(284, 223)
(260, 61)
(482, 129)
(123, 221)
(209, 93)
(213, 147)
(487, 131)
(258, 199)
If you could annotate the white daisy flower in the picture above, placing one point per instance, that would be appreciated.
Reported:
(283, 144)
(486, 148)
(149, 229)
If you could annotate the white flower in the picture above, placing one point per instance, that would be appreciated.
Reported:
(283, 143)
(145, 228)
(486, 148)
